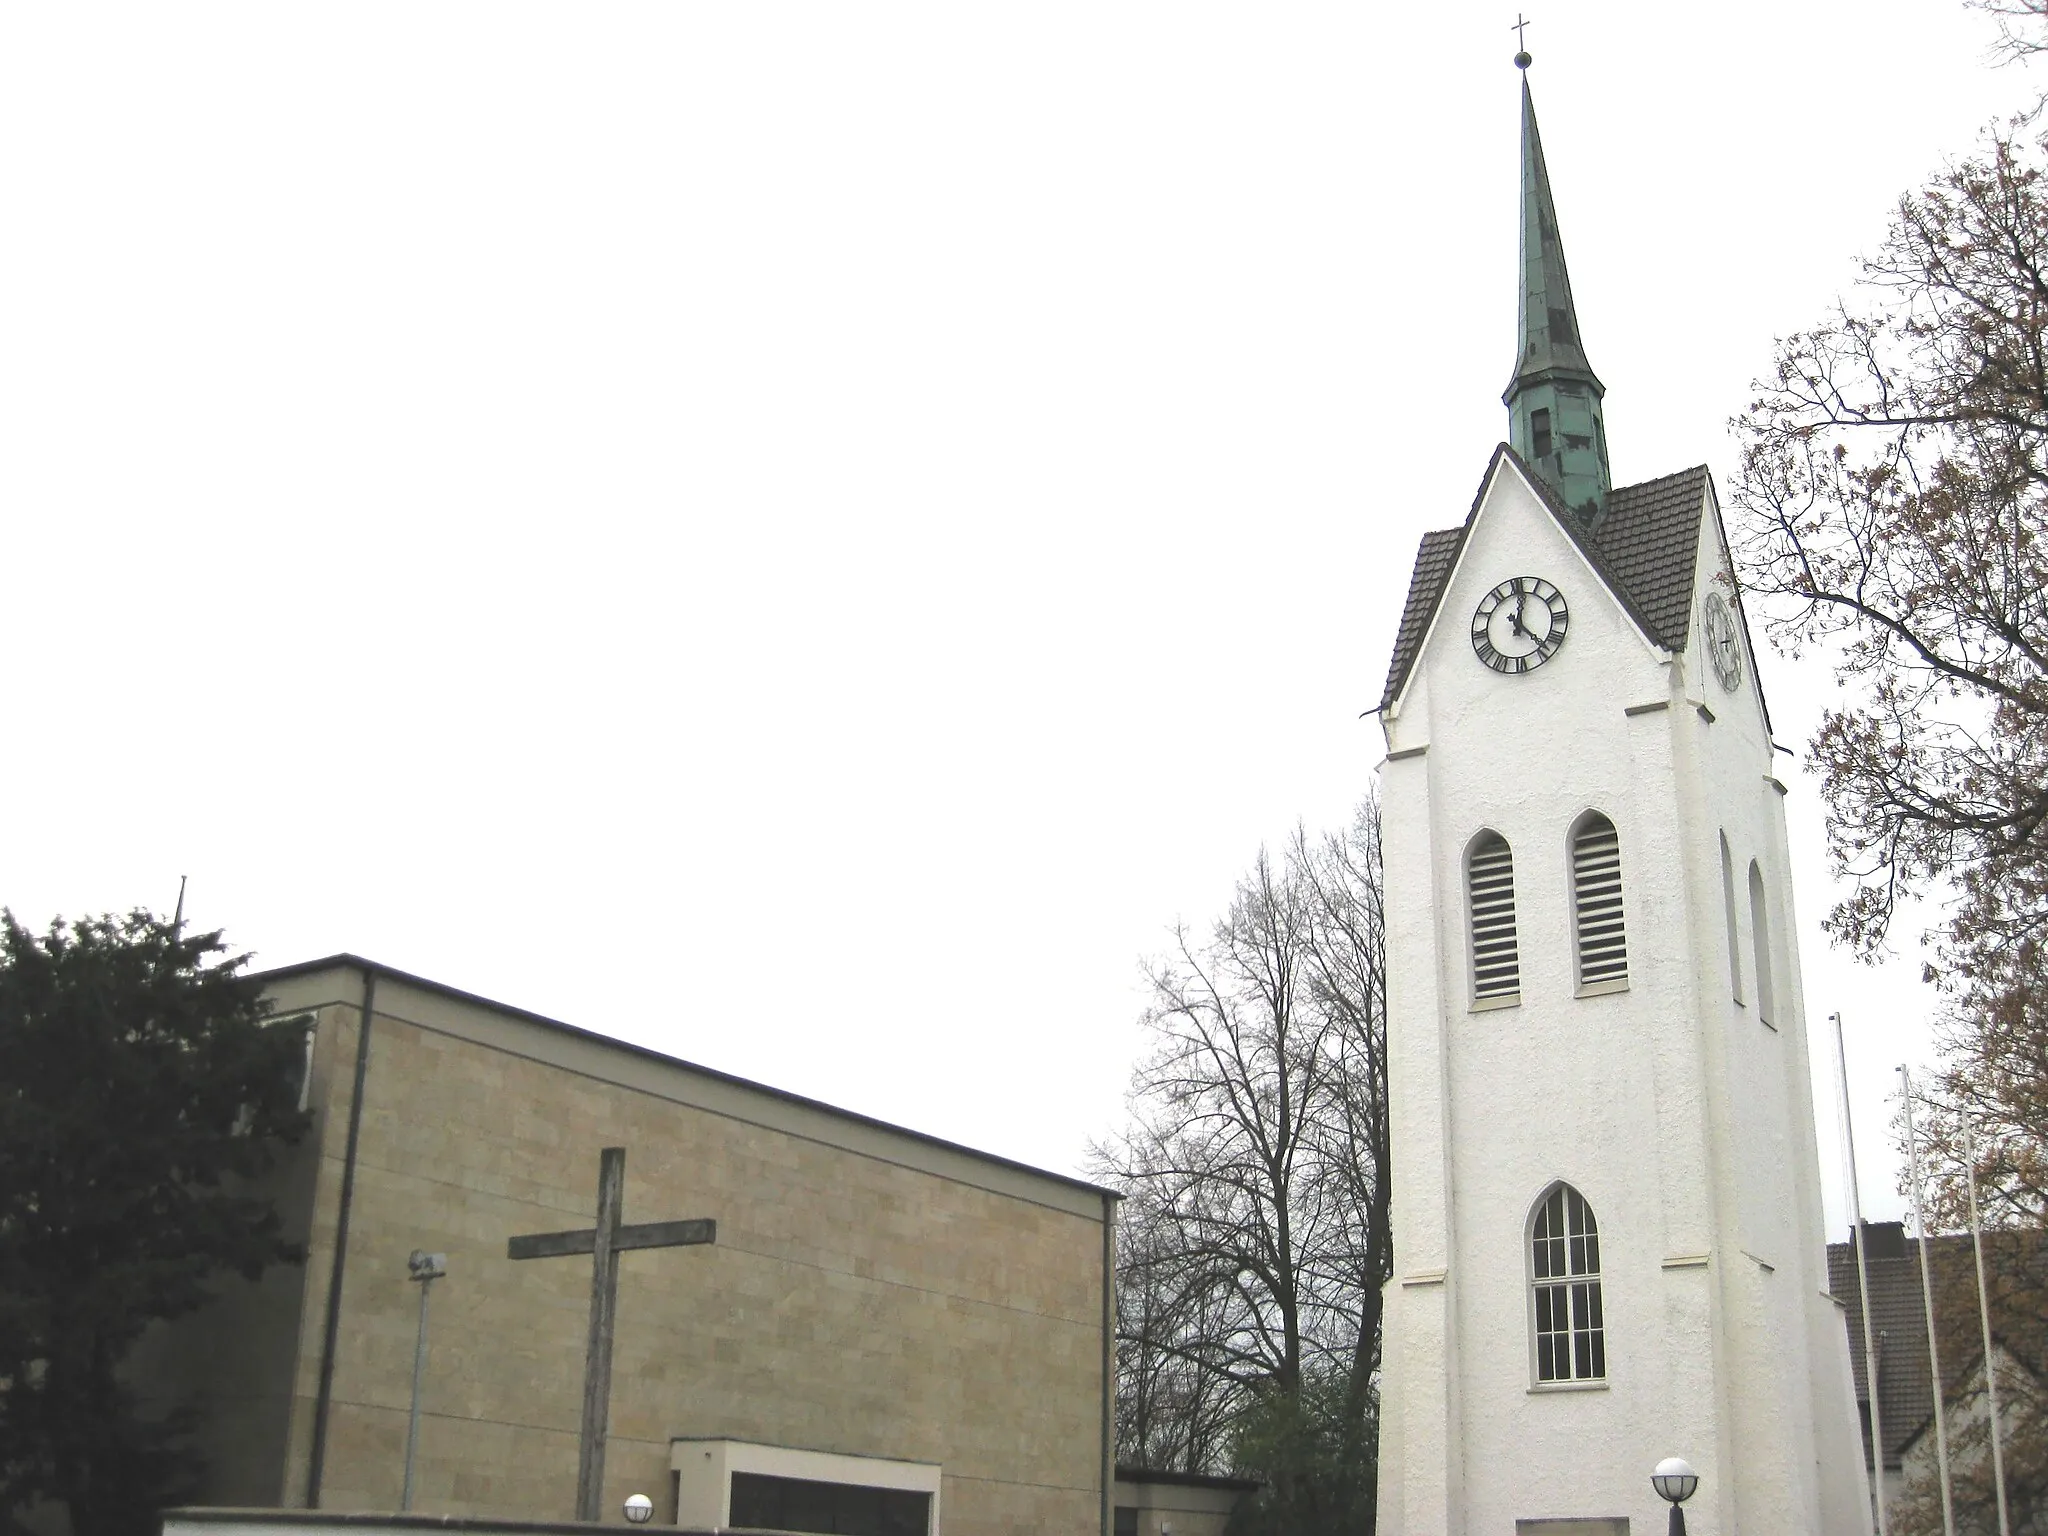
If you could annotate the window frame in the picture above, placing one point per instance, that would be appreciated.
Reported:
(1595, 1277)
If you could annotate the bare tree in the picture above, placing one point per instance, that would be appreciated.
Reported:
(1256, 1235)
(2022, 26)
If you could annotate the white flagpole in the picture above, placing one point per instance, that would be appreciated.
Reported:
(1858, 1235)
(1948, 1511)
(1984, 1313)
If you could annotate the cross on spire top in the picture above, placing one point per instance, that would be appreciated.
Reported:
(1522, 59)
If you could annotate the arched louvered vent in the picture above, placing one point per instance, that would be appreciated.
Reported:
(1496, 960)
(1596, 896)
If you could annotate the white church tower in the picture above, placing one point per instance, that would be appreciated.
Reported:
(1608, 1239)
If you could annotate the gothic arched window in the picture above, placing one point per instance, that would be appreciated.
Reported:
(1728, 911)
(1760, 939)
(1564, 1277)
(1490, 886)
(1596, 901)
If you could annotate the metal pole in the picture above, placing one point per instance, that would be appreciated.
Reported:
(426, 1269)
(1984, 1314)
(1857, 1233)
(1948, 1511)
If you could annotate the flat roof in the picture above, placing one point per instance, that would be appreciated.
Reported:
(348, 961)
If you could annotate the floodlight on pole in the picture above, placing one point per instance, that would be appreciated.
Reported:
(425, 1269)
(1674, 1479)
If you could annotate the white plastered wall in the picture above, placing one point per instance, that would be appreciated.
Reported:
(1684, 1138)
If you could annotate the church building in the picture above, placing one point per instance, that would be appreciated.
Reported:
(885, 1334)
(1607, 1212)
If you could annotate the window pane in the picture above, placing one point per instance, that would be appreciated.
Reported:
(836, 1509)
(1570, 1329)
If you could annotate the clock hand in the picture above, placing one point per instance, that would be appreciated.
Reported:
(1515, 618)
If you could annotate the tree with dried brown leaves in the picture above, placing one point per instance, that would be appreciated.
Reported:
(1893, 511)
(1254, 1237)
(1986, 1114)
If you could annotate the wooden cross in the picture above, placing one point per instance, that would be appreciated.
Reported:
(604, 1243)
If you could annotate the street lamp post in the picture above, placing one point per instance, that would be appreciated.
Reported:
(1675, 1480)
(426, 1269)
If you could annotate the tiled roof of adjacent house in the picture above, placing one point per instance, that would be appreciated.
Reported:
(1899, 1317)
(1644, 546)
(2017, 1260)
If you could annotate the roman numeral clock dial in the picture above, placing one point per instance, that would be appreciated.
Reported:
(1519, 624)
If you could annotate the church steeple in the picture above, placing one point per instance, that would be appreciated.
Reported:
(1554, 418)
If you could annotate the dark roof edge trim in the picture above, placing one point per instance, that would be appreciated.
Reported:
(346, 960)
(1187, 1479)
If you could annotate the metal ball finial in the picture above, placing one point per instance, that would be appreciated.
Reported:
(1523, 59)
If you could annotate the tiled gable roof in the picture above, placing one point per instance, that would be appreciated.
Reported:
(1433, 562)
(1645, 547)
(1650, 539)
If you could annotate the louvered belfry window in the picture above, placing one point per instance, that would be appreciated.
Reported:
(1496, 959)
(1596, 901)
(1571, 1326)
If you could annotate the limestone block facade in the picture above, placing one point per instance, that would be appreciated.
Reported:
(872, 1293)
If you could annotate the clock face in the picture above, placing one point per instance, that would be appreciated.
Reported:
(1724, 648)
(1519, 624)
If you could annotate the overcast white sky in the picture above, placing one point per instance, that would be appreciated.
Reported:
(806, 536)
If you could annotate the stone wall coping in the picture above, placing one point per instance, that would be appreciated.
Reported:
(201, 1518)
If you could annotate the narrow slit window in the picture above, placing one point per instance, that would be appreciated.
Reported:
(1760, 939)
(1596, 902)
(1496, 957)
(1564, 1274)
(1539, 433)
(1728, 910)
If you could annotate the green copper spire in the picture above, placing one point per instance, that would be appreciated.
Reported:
(1554, 402)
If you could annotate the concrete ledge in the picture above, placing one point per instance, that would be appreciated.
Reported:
(252, 1522)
